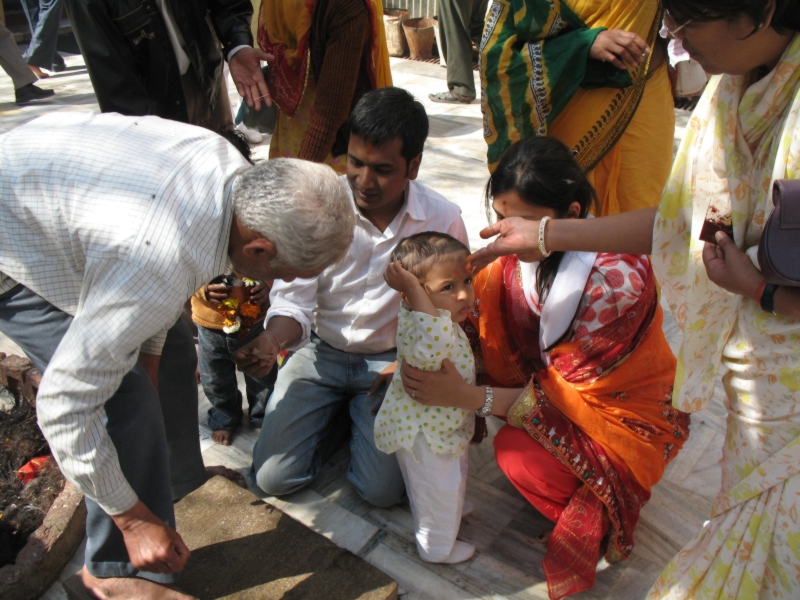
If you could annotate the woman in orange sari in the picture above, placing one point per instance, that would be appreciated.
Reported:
(575, 359)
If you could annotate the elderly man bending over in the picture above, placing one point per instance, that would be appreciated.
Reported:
(109, 224)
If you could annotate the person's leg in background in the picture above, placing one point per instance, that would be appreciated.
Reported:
(477, 21)
(44, 20)
(14, 65)
(456, 26)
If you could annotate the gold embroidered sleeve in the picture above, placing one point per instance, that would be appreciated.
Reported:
(523, 405)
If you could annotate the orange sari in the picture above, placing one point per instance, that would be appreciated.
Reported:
(602, 408)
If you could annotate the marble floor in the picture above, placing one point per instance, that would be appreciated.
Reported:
(503, 526)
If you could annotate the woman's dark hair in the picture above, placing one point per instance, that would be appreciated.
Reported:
(388, 113)
(785, 19)
(543, 172)
(419, 251)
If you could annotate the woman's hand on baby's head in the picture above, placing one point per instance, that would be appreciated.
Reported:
(399, 279)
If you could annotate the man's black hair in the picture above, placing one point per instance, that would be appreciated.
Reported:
(388, 113)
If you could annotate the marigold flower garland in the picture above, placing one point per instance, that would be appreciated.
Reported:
(239, 312)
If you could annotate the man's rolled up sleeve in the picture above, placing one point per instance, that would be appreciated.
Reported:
(296, 300)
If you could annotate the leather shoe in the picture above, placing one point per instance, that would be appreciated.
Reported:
(30, 92)
(58, 63)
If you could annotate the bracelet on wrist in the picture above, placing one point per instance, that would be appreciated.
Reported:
(542, 225)
(487, 405)
(767, 299)
(275, 337)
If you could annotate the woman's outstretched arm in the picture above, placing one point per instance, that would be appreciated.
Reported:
(625, 233)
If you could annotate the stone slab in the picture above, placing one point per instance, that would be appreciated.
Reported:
(244, 548)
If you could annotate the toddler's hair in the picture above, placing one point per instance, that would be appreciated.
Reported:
(419, 251)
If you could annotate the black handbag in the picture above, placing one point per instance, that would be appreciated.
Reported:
(779, 248)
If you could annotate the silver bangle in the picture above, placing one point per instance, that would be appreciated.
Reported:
(542, 225)
(487, 405)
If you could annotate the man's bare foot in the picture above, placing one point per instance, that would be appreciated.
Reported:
(38, 72)
(222, 436)
(228, 474)
(130, 588)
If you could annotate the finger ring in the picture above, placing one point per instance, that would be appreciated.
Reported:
(413, 393)
(644, 54)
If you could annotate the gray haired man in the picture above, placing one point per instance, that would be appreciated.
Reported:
(109, 225)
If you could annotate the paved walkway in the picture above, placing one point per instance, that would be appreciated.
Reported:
(504, 526)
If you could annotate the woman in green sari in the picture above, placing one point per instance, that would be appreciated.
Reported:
(590, 73)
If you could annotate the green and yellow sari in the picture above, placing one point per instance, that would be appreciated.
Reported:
(537, 79)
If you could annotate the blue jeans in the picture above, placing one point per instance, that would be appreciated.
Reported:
(317, 389)
(44, 19)
(218, 377)
(155, 434)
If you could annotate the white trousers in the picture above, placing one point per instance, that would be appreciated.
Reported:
(435, 484)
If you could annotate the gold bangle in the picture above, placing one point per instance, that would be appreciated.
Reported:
(542, 225)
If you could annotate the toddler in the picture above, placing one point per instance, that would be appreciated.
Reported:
(229, 313)
(429, 270)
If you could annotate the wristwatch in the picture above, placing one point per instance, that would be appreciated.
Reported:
(768, 298)
(487, 406)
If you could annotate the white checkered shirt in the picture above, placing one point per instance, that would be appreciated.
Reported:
(116, 221)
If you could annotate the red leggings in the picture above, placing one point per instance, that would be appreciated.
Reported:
(537, 474)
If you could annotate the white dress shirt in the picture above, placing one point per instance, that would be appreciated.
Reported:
(116, 221)
(349, 305)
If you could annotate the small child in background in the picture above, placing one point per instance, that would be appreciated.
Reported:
(229, 313)
(430, 272)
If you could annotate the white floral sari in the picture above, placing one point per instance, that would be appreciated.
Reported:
(743, 135)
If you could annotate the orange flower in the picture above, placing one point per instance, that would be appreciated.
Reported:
(250, 310)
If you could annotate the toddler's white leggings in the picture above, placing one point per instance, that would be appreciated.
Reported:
(436, 484)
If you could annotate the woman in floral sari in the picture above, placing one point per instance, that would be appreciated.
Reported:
(744, 134)
(328, 54)
(590, 73)
(576, 359)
